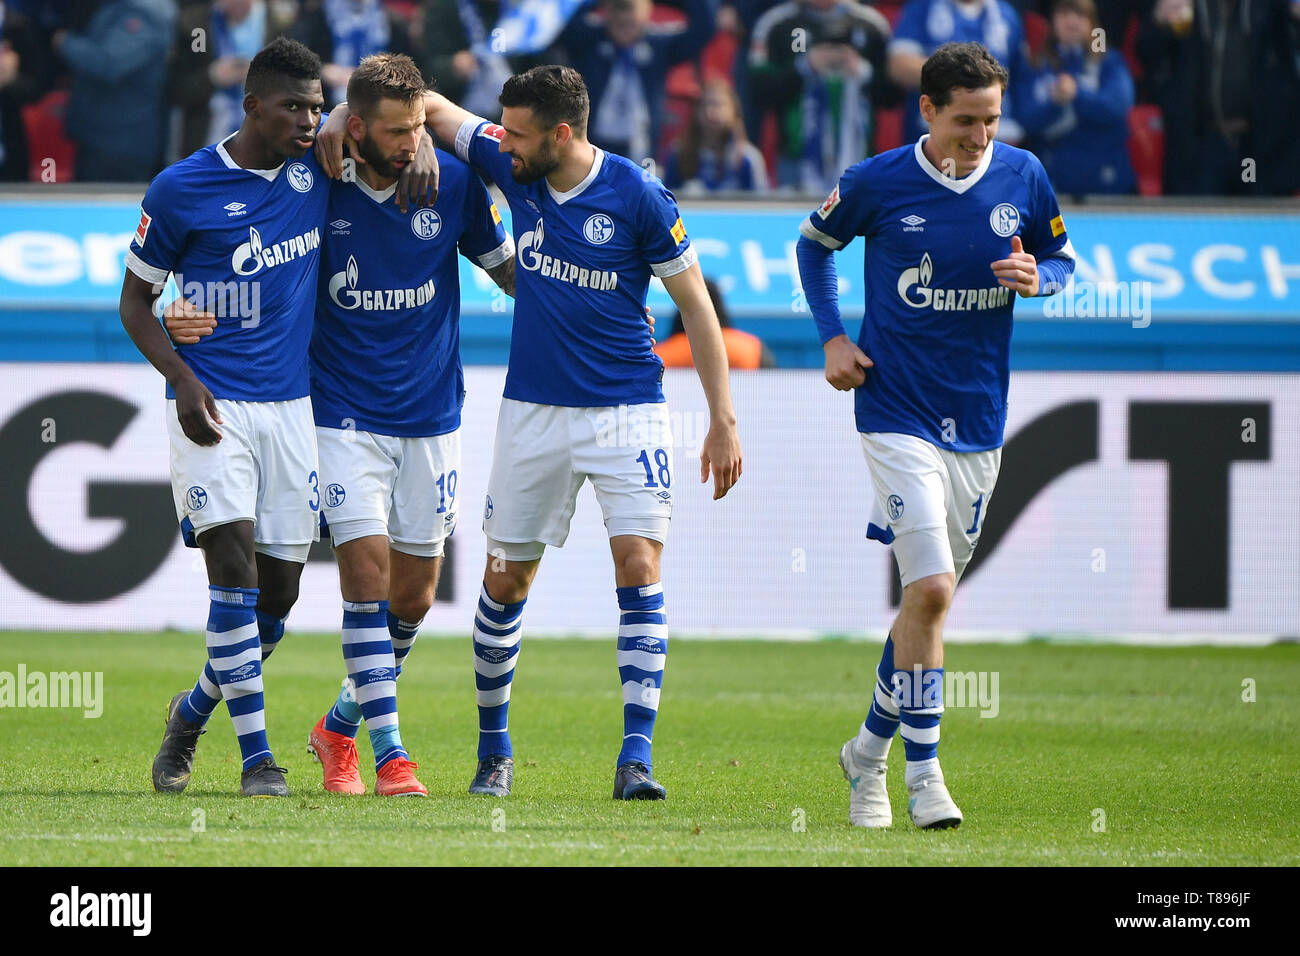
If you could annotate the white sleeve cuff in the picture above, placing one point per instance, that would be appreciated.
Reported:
(809, 231)
(498, 255)
(150, 274)
(465, 134)
(670, 268)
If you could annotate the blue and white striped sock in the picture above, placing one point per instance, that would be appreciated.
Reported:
(919, 696)
(403, 634)
(203, 699)
(877, 731)
(497, 630)
(642, 651)
(345, 716)
(269, 631)
(368, 655)
(235, 653)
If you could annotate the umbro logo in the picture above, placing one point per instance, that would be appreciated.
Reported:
(912, 223)
(234, 208)
(340, 225)
(240, 673)
(494, 655)
(650, 644)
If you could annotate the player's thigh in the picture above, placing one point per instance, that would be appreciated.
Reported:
(213, 485)
(971, 478)
(910, 482)
(357, 472)
(424, 501)
(289, 492)
(533, 487)
(630, 467)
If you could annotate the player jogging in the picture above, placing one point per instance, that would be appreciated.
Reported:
(590, 230)
(240, 220)
(954, 224)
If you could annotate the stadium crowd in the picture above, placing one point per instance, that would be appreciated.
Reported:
(1173, 97)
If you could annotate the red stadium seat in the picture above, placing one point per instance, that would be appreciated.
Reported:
(892, 9)
(1146, 146)
(889, 129)
(46, 139)
(1036, 28)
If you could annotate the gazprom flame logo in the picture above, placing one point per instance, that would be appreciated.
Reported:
(347, 277)
(529, 243)
(919, 279)
(250, 250)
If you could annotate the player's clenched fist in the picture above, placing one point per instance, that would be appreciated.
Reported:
(846, 364)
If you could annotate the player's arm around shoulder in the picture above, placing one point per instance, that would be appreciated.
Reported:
(721, 451)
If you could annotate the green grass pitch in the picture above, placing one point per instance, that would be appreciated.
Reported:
(1155, 744)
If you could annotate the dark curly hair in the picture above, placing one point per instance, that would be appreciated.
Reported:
(967, 66)
(555, 94)
(280, 59)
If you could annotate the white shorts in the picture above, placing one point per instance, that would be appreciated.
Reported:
(544, 453)
(930, 503)
(263, 470)
(402, 488)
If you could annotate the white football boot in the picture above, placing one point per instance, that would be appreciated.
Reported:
(930, 805)
(868, 798)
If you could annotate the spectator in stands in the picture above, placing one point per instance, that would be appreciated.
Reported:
(118, 64)
(926, 25)
(460, 53)
(714, 154)
(343, 32)
(208, 76)
(625, 59)
(1224, 73)
(820, 64)
(1074, 105)
(25, 75)
(743, 350)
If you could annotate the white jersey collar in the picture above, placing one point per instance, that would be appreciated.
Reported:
(267, 174)
(379, 196)
(956, 185)
(563, 197)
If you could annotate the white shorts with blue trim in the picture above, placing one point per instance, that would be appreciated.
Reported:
(402, 488)
(263, 470)
(929, 502)
(544, 453)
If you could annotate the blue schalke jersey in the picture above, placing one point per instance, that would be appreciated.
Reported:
(937, 323)
(584, 262)
(385, 354)
(243, 244)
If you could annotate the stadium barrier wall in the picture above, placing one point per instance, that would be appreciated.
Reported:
(1166, 287)
(1157, 506)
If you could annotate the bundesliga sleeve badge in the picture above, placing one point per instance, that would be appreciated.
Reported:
(831, 202)
(142, 230)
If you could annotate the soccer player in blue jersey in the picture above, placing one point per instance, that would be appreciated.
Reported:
(239, 226)
(956, 225)
(387, 389)
(590, 230)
